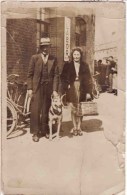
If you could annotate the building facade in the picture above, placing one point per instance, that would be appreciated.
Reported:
(103, 51)
(25, 27)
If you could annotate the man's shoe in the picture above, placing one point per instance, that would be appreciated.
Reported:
(35, 138)
(110, 92)
(41, 134)
(115, 93)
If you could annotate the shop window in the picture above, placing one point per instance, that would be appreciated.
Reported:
(80, 32)
(77, 37)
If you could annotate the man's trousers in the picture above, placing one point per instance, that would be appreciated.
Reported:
(40, 104)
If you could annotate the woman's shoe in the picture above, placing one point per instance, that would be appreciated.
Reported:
(80, 133)
(72, 131)
(75, 132)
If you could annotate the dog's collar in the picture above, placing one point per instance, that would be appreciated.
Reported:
(54, 111)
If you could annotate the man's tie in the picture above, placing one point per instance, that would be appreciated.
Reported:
(45, 58)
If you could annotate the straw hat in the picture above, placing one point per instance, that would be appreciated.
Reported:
(45, 41)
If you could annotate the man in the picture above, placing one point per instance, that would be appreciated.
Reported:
(111, 70)
(100, 77)
(42, 82)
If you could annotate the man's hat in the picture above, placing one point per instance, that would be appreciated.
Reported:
(45, 41)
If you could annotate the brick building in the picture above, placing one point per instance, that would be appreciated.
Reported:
(66, 28)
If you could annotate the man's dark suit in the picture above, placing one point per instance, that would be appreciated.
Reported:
(41, 99)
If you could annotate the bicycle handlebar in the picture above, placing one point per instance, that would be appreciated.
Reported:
(10, 75)
(14, 80)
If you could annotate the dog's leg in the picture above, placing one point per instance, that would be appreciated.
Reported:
(50, 130)
(73, 117)
(58, 128)
(78, 122)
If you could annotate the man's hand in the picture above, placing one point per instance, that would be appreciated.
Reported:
(69, 86)
(30, 92)
(55, 93)
(113, 69)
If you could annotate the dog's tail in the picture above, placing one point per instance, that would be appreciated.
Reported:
(64, 106)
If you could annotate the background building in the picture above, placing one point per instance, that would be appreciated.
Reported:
(103, 51)
(66, 28)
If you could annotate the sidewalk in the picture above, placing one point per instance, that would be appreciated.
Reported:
(86, 165)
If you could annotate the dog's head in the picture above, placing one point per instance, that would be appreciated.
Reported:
(56, 101)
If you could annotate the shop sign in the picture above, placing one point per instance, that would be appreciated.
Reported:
(67, 24)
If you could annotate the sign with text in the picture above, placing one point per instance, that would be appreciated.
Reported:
(67, 25)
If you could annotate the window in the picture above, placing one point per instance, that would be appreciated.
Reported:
(80, 32)
(77, 37)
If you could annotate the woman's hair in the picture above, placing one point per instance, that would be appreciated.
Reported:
(76, 49)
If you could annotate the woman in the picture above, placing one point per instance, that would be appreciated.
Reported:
(76, 83)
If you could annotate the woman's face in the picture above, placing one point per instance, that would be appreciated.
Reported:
(76, 56)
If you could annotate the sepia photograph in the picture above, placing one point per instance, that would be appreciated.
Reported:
(63, 98)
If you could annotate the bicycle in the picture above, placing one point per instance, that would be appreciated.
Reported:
(95, 86)
(18, 103)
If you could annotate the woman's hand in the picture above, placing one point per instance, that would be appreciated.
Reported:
(88, 96)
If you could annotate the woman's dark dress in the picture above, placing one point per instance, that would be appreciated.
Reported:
(78, 87)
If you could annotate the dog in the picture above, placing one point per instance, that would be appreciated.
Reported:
(55, 116)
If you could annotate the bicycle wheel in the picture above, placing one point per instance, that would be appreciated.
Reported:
(11, 118)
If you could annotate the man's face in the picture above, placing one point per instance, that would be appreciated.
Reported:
(45, 49)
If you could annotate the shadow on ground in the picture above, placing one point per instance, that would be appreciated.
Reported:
(92, 125)
(88, 126)
(19, 131)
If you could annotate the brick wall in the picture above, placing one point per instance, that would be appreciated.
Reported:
(21, 42)
(21, 45)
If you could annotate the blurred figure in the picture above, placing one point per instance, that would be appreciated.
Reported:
(115, 80)
(95, 67)
(102, 77)
(110, 74)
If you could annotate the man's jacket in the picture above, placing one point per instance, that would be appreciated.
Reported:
(35, 72)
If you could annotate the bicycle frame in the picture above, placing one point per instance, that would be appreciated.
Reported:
(25, 107)
(95, 88)
(18, 104)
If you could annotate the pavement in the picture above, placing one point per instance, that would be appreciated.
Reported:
(81, 165)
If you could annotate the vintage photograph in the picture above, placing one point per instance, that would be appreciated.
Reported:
(63, 98)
